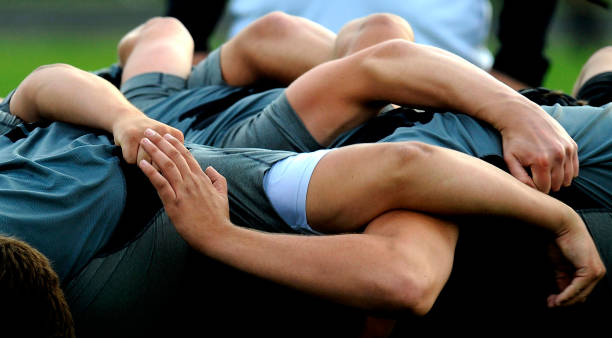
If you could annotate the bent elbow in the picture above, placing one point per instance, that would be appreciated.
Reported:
(418, 295)
(411, 293)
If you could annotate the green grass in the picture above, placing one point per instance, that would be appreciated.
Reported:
(20, 55)
(90, 52)
(566, 62)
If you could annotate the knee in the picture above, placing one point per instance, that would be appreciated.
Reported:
(601, 58)
(599, 62)
(272, 25)
(401, 158)
(163, 26)
(386, 23)
(369, 31)
(408, 153)
(605, 52)
(153, 29)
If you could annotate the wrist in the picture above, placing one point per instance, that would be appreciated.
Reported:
(217, 237)
(509, 111)
(123, 118)
(570, 222)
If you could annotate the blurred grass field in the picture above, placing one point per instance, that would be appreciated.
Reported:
(26, 53)
(85, 34)
(91, 52)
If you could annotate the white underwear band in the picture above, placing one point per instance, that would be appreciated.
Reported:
(286, 185)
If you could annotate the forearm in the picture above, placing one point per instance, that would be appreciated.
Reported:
(358, 270)
(449, 182)
(417, 75)
(65, 93)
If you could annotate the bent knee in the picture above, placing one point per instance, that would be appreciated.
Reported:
(406, 153)
(53, 66)
(275, 24)
(162, 27)
(401, 158)
(389, 23)
(604, 51)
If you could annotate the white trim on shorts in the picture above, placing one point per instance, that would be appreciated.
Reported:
(286, 185)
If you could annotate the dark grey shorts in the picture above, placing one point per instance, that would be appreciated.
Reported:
(261, 119)
(130, 287)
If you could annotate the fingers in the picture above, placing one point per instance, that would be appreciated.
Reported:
(164, 189)
(576, 292)
(217, 180)
(172, 156)
(517, 170)
(143, 155)
(189, 159)
(168, 168)
(553, 177)
(546, 177)
(542, 177)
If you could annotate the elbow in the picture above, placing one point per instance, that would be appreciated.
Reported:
(42, 74)
(411, 289)
(414, 293)
(25, 103)
(54, 66)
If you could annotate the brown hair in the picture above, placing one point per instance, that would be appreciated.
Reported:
(32, 302)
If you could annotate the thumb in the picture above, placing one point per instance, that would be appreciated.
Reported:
(518, 171)
(143, 155)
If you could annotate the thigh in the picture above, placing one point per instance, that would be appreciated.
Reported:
(599, 62)
(163, 46)
(145, 91)
(597, 91)
(244, 170)
(265, 120)
(207, 72)
(352, 185)
(129, 289)
(590, 128)
(328, 99)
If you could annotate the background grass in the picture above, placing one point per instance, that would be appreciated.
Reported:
(85, 34)
(26, 53)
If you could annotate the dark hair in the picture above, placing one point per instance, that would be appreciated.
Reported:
(32, 302)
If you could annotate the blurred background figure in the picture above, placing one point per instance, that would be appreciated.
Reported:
(459, 26)
(85, 33)
(201, 23)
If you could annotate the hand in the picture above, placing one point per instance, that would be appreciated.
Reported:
(128, 132)
(535, 140)
(577, 264)
(195, 201)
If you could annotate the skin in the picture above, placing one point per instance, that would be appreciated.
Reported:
(183, 186)
(405, 73)
(393, 234)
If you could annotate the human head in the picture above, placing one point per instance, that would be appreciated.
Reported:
(33, 304)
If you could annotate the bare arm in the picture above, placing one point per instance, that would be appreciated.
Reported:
(340, 266)
(346, 190)
(64, 93)
(403, 258)
(351, 90)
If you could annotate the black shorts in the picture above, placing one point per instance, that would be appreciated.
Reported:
(597, 91)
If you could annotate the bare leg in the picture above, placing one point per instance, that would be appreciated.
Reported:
(364, 32)
(354, 184)
(159, 45)
(276, 47)
(282, 47)
(599, 62)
